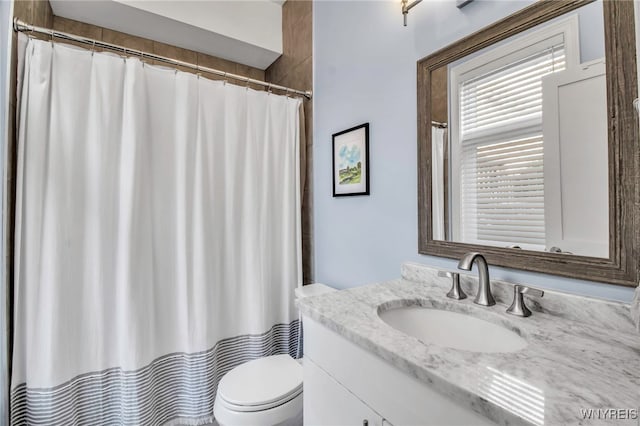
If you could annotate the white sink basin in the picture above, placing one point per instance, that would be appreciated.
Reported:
(453, 330)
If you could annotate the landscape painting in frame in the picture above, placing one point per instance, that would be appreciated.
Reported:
(351, 161)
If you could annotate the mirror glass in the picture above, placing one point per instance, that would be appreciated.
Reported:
(520, 141)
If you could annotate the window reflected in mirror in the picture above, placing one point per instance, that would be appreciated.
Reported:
(519, 141)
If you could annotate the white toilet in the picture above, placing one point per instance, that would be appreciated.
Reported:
(266, 391)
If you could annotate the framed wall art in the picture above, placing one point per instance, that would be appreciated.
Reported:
(351, 161)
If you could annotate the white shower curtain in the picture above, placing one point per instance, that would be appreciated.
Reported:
(157, 238)
(438, 145)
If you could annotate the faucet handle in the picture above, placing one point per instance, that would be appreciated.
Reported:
(517, 306)
(455, 292)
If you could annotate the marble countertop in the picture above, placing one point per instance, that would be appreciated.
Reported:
(569, 365)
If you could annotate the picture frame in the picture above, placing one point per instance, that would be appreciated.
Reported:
(350, 161)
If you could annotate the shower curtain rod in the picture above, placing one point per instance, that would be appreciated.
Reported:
(439, 124)
(21, 26)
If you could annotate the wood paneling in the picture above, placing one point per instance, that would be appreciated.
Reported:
(438, 93)
(121, 39)
(78, 28)
(622, 267)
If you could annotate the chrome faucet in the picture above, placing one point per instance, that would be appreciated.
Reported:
(518, 307)
(456, 291)
(484, 296)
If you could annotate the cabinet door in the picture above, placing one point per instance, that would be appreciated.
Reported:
(327, 402)
(393, 394)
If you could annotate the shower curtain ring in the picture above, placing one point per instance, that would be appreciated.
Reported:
(224, 79)
(51, 34)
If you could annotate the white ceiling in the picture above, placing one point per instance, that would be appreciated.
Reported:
(244, 31)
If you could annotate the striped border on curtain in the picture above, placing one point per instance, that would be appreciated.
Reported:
(174, 386)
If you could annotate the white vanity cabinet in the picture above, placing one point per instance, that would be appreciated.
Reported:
(345, 385)
(327, 402)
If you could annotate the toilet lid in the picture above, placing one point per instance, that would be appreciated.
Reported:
(263, 382)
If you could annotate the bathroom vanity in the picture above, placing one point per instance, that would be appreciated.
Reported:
(344, 384)
(579, 354)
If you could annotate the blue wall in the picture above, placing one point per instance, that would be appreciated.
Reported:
(365, 71)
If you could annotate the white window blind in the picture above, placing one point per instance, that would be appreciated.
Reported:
(501, 152)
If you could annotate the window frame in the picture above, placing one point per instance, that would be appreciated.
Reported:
(498, 56)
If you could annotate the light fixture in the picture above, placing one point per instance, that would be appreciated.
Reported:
(406, 7)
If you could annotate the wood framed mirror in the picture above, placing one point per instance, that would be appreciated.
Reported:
(528, 146)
